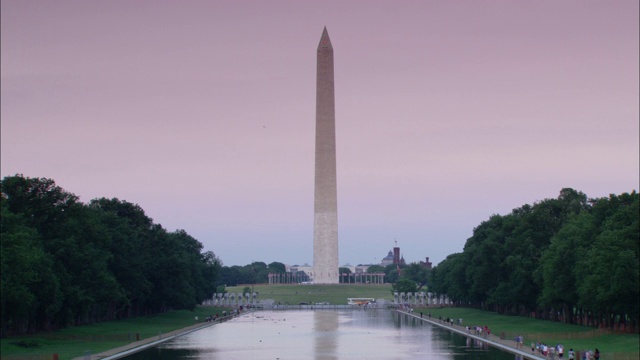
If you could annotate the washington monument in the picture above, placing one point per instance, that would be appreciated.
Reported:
(325, 220)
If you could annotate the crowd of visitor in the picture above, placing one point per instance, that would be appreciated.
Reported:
(557, 351)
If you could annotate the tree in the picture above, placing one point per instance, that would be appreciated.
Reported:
(211, 272)
(609, 269)
(483, 254)
(375, 269)
(40, 200)
(277, 267)
(417, 273)
(391, 272)
(557, 277)
(345, 271)
(404, 285)
(28, 286)
(74, 264)
(233, 275)
(448, 278)
(130, 231)
(258, 272)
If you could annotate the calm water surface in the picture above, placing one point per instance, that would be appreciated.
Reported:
(323, 334)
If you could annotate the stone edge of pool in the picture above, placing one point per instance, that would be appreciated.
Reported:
(491, 340)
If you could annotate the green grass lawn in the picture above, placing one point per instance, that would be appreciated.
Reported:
(145, 327)
(294, 294)
(548, 332)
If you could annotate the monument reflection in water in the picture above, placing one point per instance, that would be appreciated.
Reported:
(323, 334)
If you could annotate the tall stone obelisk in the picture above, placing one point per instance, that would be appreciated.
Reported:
(325, 221)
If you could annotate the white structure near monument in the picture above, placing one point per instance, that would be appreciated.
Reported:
(325, 222)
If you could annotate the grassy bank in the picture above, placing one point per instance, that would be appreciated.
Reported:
(74, 341)
(551, 333)
(313, 293)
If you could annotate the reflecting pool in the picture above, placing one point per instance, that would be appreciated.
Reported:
(323, 334)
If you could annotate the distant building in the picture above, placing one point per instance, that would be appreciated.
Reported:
(396, 255)
(387, 260)
(426, 264)
(361, 269)
(349, 266)
(306, 268)
(393, 257)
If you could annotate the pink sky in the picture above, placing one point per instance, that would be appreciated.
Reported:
(202, 112)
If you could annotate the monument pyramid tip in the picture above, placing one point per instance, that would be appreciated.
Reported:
(325, 41)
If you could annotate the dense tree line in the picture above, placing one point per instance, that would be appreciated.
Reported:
(568, 259)
(69, 263)
(255, 273)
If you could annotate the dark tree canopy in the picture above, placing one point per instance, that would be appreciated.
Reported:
(416, 273)
(375, 269)
(567, 259)
(277, 267)
(404, 285)
(73, 263)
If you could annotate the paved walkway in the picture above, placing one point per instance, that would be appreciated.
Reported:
(495, 341)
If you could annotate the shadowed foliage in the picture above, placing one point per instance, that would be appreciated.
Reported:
(68, 263)
(567, 259)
